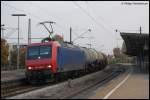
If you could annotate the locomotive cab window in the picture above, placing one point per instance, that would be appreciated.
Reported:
(33, 52)
(39, 51)
(45, 51)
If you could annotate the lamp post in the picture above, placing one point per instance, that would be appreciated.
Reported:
(18, 15)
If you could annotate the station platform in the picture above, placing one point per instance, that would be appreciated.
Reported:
(130, 85)
(133, 85)
(12, 75)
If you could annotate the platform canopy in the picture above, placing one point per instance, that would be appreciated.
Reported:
(135, 43)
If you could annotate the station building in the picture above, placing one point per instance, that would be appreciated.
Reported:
(137, 45)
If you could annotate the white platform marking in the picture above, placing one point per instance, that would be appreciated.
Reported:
(113, 90)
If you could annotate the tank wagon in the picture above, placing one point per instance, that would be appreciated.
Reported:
(44, 60)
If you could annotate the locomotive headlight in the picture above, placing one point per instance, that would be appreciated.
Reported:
(49, 66)
(29, 68)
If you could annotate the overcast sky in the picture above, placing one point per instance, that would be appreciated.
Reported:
(102, 17)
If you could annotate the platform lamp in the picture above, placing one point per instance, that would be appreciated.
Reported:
(18, 15)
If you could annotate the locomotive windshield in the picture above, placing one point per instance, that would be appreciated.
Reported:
(39, 51)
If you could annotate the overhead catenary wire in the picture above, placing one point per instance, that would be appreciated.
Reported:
(10, 33)
(44, 9)
(10, 28)
(99, 17)
(81, 35)
(20, 10)
(17, 9)
(59, 26)
(38, 18)
(94, 20)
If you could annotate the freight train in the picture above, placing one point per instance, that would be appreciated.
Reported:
(50, 59)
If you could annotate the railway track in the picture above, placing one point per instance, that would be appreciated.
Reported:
(8, 91)
(12, 88)
(111, 75)
(16, 90)
(22, 88)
